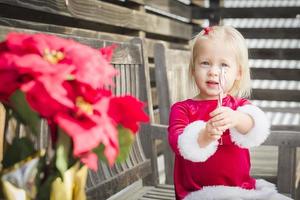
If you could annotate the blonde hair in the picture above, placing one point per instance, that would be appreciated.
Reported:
(234, 39)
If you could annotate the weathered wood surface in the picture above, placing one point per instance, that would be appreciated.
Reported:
(275, 74)
(254, 12)
(170, 8)
(268, 33)
(275, 94)
(80, 32)
(109, 14)
(283, 54)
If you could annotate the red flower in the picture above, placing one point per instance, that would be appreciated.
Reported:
(65, 81)
(127, 111)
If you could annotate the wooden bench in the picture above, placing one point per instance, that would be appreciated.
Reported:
(171, 70)
(136, 173)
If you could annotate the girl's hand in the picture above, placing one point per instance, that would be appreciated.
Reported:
(224, 118)
(208, 135)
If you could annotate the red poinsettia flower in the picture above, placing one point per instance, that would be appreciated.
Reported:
(127, 111)
(65, 82)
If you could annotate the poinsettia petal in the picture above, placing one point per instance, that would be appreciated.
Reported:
(90, 159)
(40, 100)
(53, 83)
(9, 83)
(111, 154)
(33, 64)
(92, 68)
(128, 111)
(23, 43)
(3, 47)
(14, 42)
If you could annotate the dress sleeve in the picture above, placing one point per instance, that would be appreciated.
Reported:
(178, 120)
(183, 135)
(260, 131)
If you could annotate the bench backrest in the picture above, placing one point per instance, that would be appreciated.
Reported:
(128, 58)
(170, 80)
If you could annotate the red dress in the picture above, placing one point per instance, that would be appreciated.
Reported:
(229, 165)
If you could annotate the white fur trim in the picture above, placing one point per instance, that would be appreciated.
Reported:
(258, 134)
(188, 144)
(264, 191)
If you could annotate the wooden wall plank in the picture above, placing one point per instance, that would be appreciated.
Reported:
(282, 54)
(110, 14)
(141, 2)
(171, 7)
(275, 95)
(44, 27)
(270, 33)
(275, 74)
(247, 12)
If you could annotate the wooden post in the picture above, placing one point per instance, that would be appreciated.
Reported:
(286, 163)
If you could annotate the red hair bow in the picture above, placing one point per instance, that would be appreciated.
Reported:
(207, 30)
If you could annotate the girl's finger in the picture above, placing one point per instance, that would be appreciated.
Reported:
(225, 127)
(216, 132)
(221, 122)
(215, 137)
(217, 117)
(218, 111)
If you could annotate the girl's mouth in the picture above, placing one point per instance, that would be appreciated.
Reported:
(212, 84)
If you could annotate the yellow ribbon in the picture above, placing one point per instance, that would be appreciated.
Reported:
(72, 186)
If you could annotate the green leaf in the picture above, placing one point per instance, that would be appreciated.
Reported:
(24, 111)
(100, 152)
(62, 152)
(126, 139)
(20, 149)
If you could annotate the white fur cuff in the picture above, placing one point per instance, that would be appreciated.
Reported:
(258, 134)
(188, 144)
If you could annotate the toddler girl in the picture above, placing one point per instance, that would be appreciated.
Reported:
(211, 142)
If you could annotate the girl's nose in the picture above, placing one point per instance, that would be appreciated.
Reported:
(214, 71)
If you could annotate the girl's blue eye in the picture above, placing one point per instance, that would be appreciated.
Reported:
(224, 65)
(205, 63)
